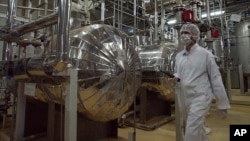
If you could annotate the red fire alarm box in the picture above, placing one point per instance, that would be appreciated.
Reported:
(215, 33)
(188, 15)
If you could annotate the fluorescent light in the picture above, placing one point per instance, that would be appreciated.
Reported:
(217, 13)
(171, 22)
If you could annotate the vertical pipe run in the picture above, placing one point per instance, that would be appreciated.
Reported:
(156, 22)
(208, 13)
(228, 63)
(178, 130)
(195, 10)
(134, 116)
(199, 13)
(63, 29)
(121, 17)
(38, 12)
(114, 14)
(135, 10)
(45, 7)
(162, 21)
(87, 14)
(11, 13)
(102, 11)
(118, 13)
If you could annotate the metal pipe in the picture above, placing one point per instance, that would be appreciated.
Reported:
(102, 21)
(199, 13)
(162, 21)
(208, 13)
(195, 10)
(134, 14)
(156, 22)
(28, 8)
(128, 14)
(11, 12)
(29, 27)
(39, 5)
(102, 11)
(45, 7)
(86, 11)
(228, 63)
(114, 15)
(7, 51)
(63, 29)
(121, 20)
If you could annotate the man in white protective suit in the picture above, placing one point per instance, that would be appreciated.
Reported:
(200, 80)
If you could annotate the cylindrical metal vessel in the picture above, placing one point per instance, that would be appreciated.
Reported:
(109, 72)
(153, 58)
(243, 42)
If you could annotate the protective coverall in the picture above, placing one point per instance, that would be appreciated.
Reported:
(200, 81)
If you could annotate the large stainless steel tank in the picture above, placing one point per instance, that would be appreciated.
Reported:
(156, 57)
(243, 44)
(109, 72)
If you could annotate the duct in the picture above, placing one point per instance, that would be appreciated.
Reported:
(152, 58)
(108, 67)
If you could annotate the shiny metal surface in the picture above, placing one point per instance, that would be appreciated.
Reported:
(153, 58)
(140, 40)
(109, 72)
(243, 41)
(64, 13)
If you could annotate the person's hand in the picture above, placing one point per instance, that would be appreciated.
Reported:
(222, 113)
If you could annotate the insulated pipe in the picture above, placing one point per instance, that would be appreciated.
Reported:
(63, 29)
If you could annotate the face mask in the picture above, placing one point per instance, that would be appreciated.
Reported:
(186, 39)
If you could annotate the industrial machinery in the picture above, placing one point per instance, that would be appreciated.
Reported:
(95, 58)
(242, 42)
(108, 72)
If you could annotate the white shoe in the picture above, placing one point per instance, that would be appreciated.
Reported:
(207, 130)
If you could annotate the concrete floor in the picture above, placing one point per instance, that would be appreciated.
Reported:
(238, 114)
